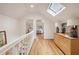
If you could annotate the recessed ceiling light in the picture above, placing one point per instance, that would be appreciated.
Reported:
(32, 6)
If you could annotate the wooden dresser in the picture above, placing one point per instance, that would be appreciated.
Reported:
(68, 45)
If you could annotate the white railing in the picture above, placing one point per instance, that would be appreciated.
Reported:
(20, 46)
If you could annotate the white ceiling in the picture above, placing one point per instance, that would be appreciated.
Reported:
(19, 10)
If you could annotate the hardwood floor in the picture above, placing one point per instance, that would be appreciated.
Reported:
(42, 46)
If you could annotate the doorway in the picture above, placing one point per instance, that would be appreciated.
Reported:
(39, 28)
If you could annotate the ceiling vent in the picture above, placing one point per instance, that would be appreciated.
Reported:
(55, 8)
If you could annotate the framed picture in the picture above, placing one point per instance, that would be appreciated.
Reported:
(3, 39)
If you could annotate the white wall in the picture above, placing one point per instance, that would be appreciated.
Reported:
(24, 27)
(49, 29)
(11, 26)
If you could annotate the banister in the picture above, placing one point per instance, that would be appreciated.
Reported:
(13, 43)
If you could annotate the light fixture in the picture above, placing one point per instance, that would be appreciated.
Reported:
(32, 6)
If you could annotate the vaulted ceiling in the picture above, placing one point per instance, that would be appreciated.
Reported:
(20, 10)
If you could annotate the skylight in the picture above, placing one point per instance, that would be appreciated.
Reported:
(55, 8)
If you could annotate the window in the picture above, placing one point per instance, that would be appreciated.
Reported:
(55, 8)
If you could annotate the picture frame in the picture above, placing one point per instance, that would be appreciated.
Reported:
(3, 39)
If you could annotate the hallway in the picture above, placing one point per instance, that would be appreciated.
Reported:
(44, 47)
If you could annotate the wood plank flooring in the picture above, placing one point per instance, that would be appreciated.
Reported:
(42, 46)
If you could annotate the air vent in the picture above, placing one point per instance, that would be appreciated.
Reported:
(55, 8)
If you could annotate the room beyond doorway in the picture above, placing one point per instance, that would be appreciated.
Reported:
(39, 27)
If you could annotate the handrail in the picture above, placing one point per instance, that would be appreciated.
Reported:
(13, 43)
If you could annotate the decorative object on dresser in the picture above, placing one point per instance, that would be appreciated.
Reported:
(57, 29)
(64, 28)
(73, 24)
(3, 39)
(73, 32)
